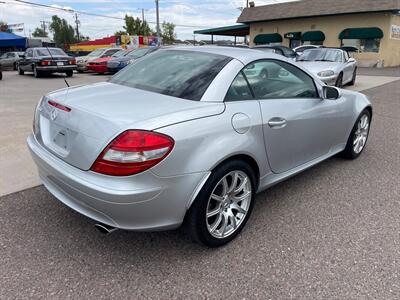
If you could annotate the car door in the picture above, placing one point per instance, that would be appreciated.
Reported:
(297, 123)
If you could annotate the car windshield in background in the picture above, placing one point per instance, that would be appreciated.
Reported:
(97, 52)
(50, 52)
(177, 73)
(119, 53)
(332, 55)
(138, 53)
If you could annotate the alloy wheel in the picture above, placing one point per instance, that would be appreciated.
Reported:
(228, 204)
(361, 134)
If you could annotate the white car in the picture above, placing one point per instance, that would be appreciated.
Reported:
(332, 65)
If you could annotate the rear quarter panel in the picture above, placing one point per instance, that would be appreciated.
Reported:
(200, 145)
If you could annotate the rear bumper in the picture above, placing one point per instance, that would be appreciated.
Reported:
(97, 68)
(144, 202)
(56, 68)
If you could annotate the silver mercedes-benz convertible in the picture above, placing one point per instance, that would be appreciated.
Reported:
(189, 136)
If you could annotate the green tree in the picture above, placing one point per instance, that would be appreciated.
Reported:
(168, 32)
(135, 26)
(39, 32)
(4, 27)
(63, 33)
(120, 32)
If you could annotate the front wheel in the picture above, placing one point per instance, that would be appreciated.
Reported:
(223, 206)
(339, 81)
(353, 79)
(358, 136)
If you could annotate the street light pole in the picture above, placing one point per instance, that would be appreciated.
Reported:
(158, 23)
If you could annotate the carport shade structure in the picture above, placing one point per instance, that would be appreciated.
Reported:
(8, 40)
(313, 36)
(234, 30)
(262, 39)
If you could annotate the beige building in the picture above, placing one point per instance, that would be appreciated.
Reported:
(370, 26)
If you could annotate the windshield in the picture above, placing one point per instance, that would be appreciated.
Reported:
(97, 52)
(333, 55)
(50, 52)
(177, 73)
(119, 53)
(138, 53)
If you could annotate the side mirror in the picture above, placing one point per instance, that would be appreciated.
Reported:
(331, 93)
(351, 60)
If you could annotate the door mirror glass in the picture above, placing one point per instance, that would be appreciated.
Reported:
(331, 93)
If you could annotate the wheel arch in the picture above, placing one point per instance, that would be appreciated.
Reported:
(243, 157)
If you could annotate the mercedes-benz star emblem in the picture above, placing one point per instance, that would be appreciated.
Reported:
(53, 114)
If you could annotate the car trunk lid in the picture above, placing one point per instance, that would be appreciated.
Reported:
(97, 113)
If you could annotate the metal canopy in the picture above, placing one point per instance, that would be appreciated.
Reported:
(234, 30)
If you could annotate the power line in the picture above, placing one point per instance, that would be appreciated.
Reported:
(94, 14)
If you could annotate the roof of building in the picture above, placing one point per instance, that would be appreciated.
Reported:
(314, 8)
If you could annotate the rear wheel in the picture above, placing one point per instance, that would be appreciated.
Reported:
(20, 71)
(69, 73)
(36, 72)
(15, 66)
(339, 81)
(358, 136)
(223, 206)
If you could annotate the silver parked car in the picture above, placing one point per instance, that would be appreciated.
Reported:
(333, 66)
(183, 136)
(10, 59)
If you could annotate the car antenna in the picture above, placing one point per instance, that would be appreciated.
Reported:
(52, 58)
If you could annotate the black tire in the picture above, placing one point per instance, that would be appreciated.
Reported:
(195, 220)
(339, 81)
(36, 72)
(15, 66)
(349, 151)
(79, 71)
(69, 73)
(353, 80)
(1, 75)
(20, 71)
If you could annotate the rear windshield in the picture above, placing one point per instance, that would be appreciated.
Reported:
(49, 52)
(177, 73)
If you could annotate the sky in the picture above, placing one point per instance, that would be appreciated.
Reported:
(200, 14)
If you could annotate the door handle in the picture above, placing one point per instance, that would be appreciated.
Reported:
(277, 123)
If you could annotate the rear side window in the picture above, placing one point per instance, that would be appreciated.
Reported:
(273, 79)
(239, 89)
(178, 73)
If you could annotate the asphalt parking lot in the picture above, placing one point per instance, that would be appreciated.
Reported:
(331, 232)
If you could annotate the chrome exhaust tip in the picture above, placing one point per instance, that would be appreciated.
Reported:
(105, 229)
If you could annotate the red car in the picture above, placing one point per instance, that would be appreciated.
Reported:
(99, 65)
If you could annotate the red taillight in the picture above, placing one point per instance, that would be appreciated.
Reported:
(45, 63)
(132, 152)
(72, 62)
(59, 106)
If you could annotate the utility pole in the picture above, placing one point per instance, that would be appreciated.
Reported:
(158, 23)
(44, 26)
(143, 15)
(77, 22)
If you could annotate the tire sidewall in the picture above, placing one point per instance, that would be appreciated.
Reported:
(197, 212)
(349, 148)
